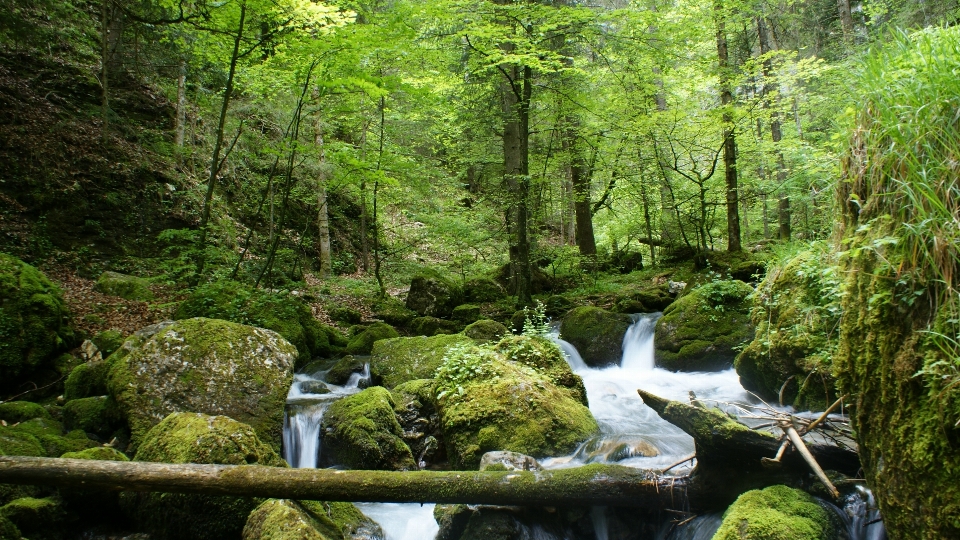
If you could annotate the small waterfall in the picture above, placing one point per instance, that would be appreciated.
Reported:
(861, 516)
(403, 521)
(569, 351)
(699, 528)
(598, 514)
(638, 342)
(359, 380)
(301, 434)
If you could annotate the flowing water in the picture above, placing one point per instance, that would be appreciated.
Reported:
(631, 434)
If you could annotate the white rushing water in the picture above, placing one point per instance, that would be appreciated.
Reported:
(631, 434)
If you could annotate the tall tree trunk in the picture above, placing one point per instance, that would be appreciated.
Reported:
(729, 137)
(323, 213)
(776, 132)
(846, 20)
(376, 188)
(580, 187)
(218, 145)
(516, 92)
(181, 127)
(104, 67)
(364, 218)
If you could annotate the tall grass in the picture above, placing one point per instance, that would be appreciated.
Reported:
(902, 166)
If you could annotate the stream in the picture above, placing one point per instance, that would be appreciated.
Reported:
(631, 434)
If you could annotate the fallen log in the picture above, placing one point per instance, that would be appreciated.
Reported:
(611, 485)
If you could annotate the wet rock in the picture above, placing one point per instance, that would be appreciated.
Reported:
(416, 411)
(602, 450)
(432, 326)
(347, 518)
(703, 330)
(362, 432)
(596, 333)
(314, 387)
(501, 460)
(341, 372)
(124, 286)
(485, 331)
(362, 342)
(432, 296)
(282, 519)
(397, 360)
(466, 313)
(209, 366)
(777, 512)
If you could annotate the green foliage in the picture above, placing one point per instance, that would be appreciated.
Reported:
(535, 321)
(462, 363)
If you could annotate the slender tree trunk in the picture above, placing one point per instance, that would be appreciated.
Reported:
(376, 188)
(846, 20)
(776, 132)
(217, 147)
(580, 184)
(364, 218)
(516, 132)
(647, 221)
(181, 127)
(729, 137)
(323, 213)
(104, 67)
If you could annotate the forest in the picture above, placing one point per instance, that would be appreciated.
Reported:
(479, 269)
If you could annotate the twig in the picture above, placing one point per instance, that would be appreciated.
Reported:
(691, 457)
(11, 398)
(808, 457)
(823, 416)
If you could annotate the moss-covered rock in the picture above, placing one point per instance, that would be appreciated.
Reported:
(485, 331)
(50, 435)
(20, 411)
(197, 438)
(362, 342)
(432, 326)
(94, 506)
(18, 443)
(397, 360)
(432, 296)
(488, 402)
(209, 366)
(545, 357)
(596, 333)
(341, 372)
(282, 519)
(362, 432)
(124, 286)
(393, 312)
(558, 306)
(98, 415)
(346, 315)
(349, 520)
(34, 321)
(108, 341)
(703, 330)
(86, 380)
(8, 531)
(796, 310)
(480, 290)
(37, 518)
(466, 313)
(283, 313)
(777, 513)
(101, 453)
(416, 410)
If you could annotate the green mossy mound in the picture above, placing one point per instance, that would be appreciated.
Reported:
(8, 531)
(283, 313)
(596, 333)
(363, 341)
(432, 296)
(86, 380)
(703, 330)
(341, 372)
(349, 520)
(108, 341)
(398, 360)
(393, 312)
(34, 321)
(98, 415)
(485, 331)
(558, 306)
(36, 518)
(345, 315)
(466, 313)
(777, 513)
(18, 443)
(20, 411)
(480, 290)
(197, 438)
(488, 402)
(362, 432)
(796, 311)
(544, 356)
(49, 434)
(101, 453)
(209, 366)
(432, 326)
(124, 286)
(282, 519)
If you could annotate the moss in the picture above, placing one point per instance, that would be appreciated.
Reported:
(18, 443)
(49, 433)
(703, 330)
(545, 357)
(8, 531)
(346, 315)
(777, 513)
(485, 331)
(283, 313)
(487, 403)
(433, 296)
(20, 411)
(393, 311)
(99, 415)
(33, 321)
(480, 290)
(197, 438)
(796, 311)
(397, 360)
(416, 411)
(432, 326)
(362, 342)
(124, 286)
(102, 453)
(466, 313)
(362, 432)
(596, 333)
(281, 519)
(86, 380)
(347, 518)
(38, 518)
(209, 366)
(341, 372)
(108, 341)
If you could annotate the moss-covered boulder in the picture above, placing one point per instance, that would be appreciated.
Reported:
(108, 341)
(17, 443)
(415, 407)
(197, 438)
(102, 453)
(124, 286)
(51, 437)
(703, 330)
(466, 313)
(432, 296)
(98, 415)
(432, 326)
(8, 531)
(362, 342)
(545, 357)
(397, 360)
(777, 513)
(341, 372)
(485, 331)
(558, 306)
(393, 311)
(362, 432)
(86, 380)
(596, 333)
(488, 402)
(36, 518)
(347, 518)
(284, 313)
(796, 311)
(209, 366)
(282, 519)
(345, 315)
(34, 322)
(14, 412)
(480, 290)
